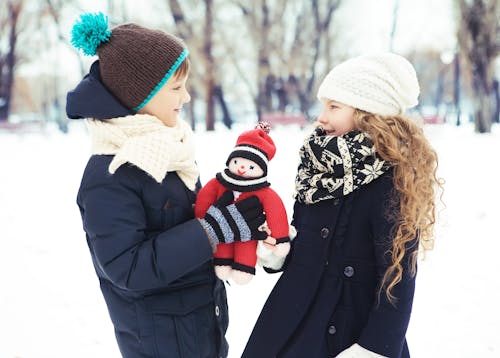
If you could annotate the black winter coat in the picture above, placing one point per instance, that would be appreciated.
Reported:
(325, 300)
(152, 258)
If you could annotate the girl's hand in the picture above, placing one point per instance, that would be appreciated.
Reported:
(270, 243)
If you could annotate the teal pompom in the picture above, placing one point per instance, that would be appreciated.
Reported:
(90, 32)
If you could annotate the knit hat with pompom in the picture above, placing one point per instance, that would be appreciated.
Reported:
(384, 83)
(134, 61)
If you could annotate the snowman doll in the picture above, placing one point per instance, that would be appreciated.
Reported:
(245, 175)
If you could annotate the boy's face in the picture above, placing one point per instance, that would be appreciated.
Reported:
(336, 118)
(245, 168)
(167, 103)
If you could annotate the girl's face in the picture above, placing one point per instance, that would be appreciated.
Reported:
(336, 118)
(245, 168)
(167, 103)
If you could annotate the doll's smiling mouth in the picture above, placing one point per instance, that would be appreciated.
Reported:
(241, 172)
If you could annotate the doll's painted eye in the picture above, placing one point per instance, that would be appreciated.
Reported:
(251, 167)
(235, 161)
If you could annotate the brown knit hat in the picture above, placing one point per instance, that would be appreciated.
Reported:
(134, 61)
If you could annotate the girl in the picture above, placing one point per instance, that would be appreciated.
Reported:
(364, 205)
(152, 257)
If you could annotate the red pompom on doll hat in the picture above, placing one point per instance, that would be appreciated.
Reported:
(255, 145)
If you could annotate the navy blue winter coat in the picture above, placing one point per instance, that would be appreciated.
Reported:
(152, 258)
(325, 300)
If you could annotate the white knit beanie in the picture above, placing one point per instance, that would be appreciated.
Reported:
(384, 84)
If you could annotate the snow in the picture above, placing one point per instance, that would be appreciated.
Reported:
(51, 305)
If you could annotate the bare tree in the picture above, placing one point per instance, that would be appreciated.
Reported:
(479, 39)
(321, 25)
(287, 69)
(201, 42)
(395, 14)
(8, 60)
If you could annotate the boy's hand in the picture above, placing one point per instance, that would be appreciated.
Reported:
(225, 222)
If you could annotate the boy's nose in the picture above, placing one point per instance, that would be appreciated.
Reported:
(187, 97)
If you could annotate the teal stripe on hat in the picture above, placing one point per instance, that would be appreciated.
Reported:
(165, 78)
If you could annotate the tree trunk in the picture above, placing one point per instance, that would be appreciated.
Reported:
(438, 99)
(190, 109)
(482, 115)
(7, 70)
(482, 107)
(496, 96)
(395, 15)
(477, 36)
(210, 67)
(226, 116)
(282, 94)
(264, 68)
(456, 87)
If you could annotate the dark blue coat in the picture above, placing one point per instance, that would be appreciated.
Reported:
(152, 258)
(325, 300)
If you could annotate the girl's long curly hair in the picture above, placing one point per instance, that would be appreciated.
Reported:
(400, 141)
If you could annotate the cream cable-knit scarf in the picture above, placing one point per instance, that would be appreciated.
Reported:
(144, 141)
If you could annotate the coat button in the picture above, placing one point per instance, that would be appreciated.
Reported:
(336, 202)
(332, 329)
(217, 312)
(325, 232)
(349, 271)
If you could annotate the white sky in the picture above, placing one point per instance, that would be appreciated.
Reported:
(366, 25)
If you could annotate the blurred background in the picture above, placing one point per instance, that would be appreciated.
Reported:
(261, 59)
(264, 58)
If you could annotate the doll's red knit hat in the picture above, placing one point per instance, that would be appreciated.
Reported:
(255, 145)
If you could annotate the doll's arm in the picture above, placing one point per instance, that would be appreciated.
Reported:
(276, 217)
(205, 198)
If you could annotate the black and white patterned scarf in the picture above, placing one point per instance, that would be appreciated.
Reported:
(331, 167)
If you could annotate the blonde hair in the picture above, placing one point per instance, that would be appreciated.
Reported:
(401, 142)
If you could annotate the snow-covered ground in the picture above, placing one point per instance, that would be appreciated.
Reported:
(51, 306)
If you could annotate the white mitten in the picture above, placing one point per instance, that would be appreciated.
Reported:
(267, 255)
(356, 351)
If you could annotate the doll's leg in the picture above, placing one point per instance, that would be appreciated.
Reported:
(245, 259)
(223, 261)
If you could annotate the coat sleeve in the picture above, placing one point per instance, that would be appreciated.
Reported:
(386, 328)
(115, 222)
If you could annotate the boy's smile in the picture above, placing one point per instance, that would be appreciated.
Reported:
(167, 103)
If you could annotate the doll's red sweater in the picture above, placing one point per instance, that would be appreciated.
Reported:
(276, 217)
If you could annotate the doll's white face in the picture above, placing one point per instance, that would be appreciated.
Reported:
(245, 168)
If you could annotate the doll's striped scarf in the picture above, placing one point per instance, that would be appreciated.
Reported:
(331, 167)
